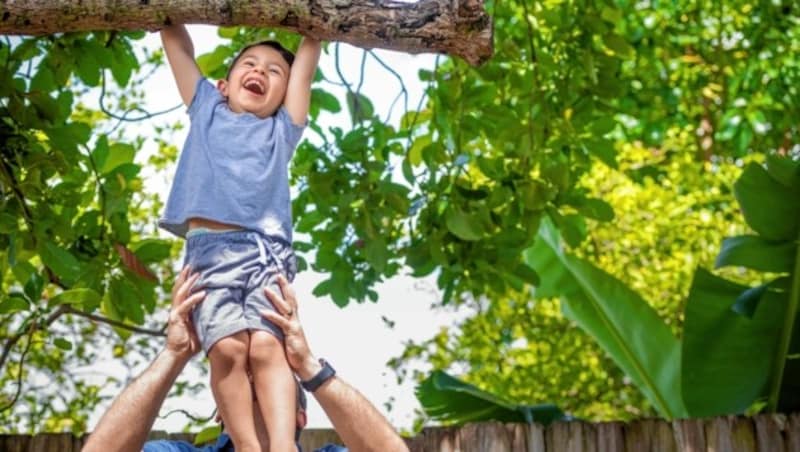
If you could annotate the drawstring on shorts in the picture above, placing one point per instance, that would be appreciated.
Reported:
(264, 250)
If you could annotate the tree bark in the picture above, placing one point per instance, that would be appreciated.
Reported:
(456, 27)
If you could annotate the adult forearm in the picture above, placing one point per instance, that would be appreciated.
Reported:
(359, 424)
(127, 423)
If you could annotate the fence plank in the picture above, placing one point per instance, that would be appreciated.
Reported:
(719, 434)
(438, 439)
(793, 433)
(609, 437)
(555, 437)
(743, 436)
(14, 443)
(762, 433)
(689, 435)
(638, 436)
(769, 429)
(536, 438)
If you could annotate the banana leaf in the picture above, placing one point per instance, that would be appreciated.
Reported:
(452, 401)
(621, 322)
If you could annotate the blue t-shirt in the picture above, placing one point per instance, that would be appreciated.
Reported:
(223, 444)
(233, 168)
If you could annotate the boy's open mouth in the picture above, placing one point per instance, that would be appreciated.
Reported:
(254, 86)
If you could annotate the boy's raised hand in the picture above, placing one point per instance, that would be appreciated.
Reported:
(180, 54)
(298, 91)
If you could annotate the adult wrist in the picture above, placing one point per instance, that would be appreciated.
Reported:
(310, 367)
(176, 358)
(326, 373)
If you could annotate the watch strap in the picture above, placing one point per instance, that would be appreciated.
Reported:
(326, 373)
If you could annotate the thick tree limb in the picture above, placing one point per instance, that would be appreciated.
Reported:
(457, 27)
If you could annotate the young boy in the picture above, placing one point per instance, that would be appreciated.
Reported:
(230, 199)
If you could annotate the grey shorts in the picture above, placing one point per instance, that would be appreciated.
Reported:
(234, 268)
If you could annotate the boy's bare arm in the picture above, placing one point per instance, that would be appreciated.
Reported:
(180, 54)
(298, 93)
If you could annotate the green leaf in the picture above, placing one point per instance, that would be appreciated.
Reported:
(573, 227)
(325, 100)
(448, 399)
(126, 300)
(15, 303)
(602, 125)
(8, 223)
(596, 209)
(360, 107)
(87, 299)
(754, 252)
(70, 137)
(34, 286)
(463, 225)
(62, 343)
(727, 357)
(619, 46)
(415, 151)
(118, 154)
(152, 250)
(523, 274)
(747, 302)
(768, 206)
(376, 253)
(88, 68)
(784, 170)
(228, 32)
(603, 150)
(207, 435)
(123, 62)
(212, 63)
(447, 296)
(61, 261)
(621, 322)
(22, 271)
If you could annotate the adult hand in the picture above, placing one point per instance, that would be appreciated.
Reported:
(181, 336)
(285, 316)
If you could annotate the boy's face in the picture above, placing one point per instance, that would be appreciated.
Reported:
(257, 82)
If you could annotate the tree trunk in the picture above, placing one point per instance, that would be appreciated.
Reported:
(457, 27)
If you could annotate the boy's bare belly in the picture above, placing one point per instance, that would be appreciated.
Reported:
(195, 223)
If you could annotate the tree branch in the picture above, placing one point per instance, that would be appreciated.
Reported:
(461, 28)
(10, 342)
(19, 373)
(116, 323)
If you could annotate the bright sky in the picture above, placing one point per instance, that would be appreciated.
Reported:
(355, 340)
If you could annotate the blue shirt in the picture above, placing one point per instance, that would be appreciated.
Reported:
(223, 444)
(233, 168)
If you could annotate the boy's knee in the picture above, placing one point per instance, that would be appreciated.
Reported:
(265, 348)
(231, 350)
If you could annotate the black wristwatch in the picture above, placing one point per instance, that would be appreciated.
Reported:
(326, 373)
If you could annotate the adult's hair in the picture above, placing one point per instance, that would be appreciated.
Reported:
(286, 54)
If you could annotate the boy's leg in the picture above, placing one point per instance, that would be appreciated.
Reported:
(275, 389)
(231, 389)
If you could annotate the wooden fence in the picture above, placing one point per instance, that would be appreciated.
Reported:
(762, 433)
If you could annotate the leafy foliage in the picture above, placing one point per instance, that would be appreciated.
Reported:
(457, 190)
